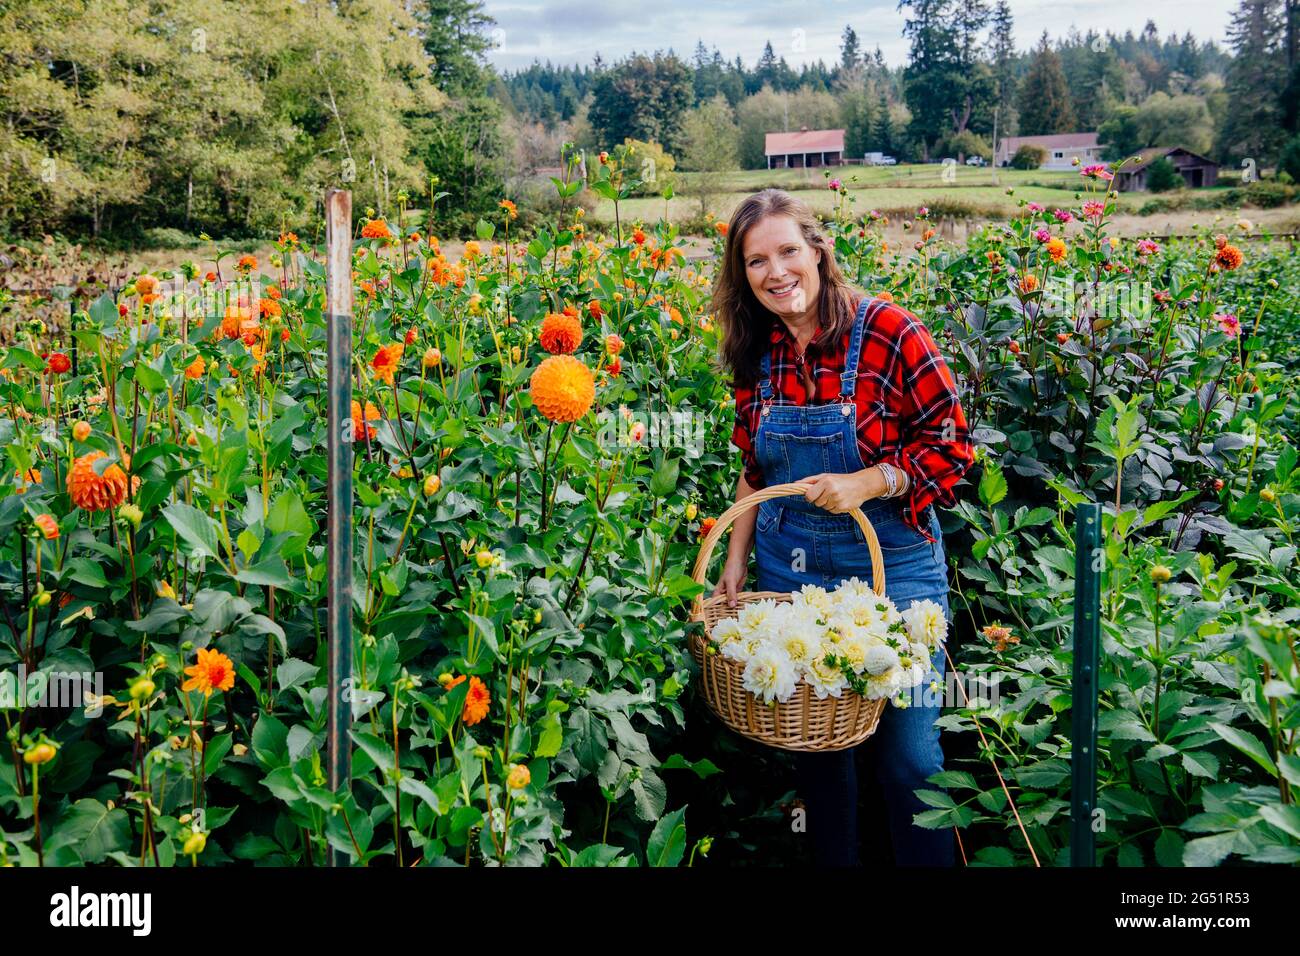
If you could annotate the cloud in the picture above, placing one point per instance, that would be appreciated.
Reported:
(573, 32)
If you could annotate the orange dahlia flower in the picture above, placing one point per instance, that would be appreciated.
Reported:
(213, 671)
(561, 333)
(360, 430)
(246, 263)
(92, 491)
(1228, 257)
(196, 368)
(232, 323)
(563, 388)
(269, 308)
(48, 525)
(385, 361)
(376, 229)
(146, 287)
(477, 699)
(1056, 249)
(510, 208)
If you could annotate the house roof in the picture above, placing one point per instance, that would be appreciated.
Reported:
(1054, 141)
(805, 141)
(1148, 156)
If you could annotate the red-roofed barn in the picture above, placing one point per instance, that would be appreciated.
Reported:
(808, 147)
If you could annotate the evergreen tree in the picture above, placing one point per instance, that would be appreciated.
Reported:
(455, 37)
(1002, 52)
(1254, 84)
(1044, 105)
(849, 52)
(642, 98)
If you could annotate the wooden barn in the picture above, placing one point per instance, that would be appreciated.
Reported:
(1196, 170)
(808, 147)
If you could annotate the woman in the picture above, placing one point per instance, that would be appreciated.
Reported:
(847, 393)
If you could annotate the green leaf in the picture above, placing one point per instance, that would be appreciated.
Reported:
(93, 831)
(293, 672)
(993, 487)
(150, 379)
(664, 481)
(216, 749)
(667, 843)
(1284, 817)
(376, 749)
(1248, 744)
(551, 736)
(650, 795)
(269, 573)
(1201, 763)
(193, 527)
(1123, 725)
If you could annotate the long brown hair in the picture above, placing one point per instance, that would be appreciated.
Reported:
(747, 323)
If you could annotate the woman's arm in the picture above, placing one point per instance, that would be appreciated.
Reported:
(936, 449)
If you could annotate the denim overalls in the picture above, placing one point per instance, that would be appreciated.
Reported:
(799, 543)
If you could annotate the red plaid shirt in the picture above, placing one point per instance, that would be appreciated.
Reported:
(908, 413)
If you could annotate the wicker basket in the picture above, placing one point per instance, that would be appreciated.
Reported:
(804, 722)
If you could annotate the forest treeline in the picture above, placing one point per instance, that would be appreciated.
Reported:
(133, 122)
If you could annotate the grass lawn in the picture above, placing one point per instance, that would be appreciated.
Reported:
(887, 189)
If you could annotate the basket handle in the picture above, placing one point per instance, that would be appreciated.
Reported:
(780, 491)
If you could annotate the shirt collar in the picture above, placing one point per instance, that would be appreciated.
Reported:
(780, 332)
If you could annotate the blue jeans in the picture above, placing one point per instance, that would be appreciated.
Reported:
(796, 547)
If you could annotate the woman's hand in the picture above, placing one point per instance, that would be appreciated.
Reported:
(732, 581)
(841, 493)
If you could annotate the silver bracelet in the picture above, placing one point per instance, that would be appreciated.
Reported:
(896, 481)
(891, 480)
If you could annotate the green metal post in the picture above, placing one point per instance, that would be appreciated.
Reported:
(1087, 634)
(338, 322)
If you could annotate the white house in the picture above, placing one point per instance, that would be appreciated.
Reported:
(1061, 148)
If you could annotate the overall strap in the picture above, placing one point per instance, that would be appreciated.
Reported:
(765, 383)
(849, 377)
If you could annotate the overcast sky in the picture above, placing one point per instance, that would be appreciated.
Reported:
(573, 31)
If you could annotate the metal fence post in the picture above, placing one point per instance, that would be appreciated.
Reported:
(1087, 632)
(338, 322)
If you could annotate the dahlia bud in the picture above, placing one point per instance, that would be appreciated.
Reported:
(1267, 494)
(481, 752)
(40, 753)
(519, 777)
(195, 843)
(691, 511)
(432, 358)
(485, 558)
(1160, 574)
(142, 688)
(131, 513)
(431, 485)
(81, 431)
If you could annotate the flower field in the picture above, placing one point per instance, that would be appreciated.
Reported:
(540, 436)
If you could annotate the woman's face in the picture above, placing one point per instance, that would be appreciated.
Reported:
(781, 266)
